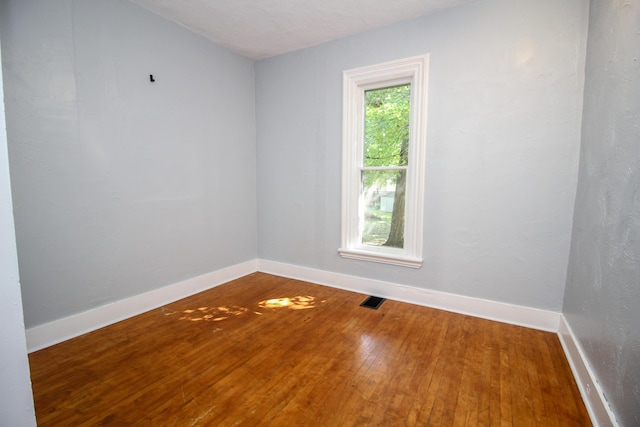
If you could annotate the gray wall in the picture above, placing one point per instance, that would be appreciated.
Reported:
(602, 297)
(16, 403)
(505, 102)
(120, 185)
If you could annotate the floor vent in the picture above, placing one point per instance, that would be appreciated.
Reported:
(372, 302)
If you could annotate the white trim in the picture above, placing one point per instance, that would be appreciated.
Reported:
(599, 410)
(66, 328)
(502, 312)
(54, 332)
(382, 257)
(414, 70)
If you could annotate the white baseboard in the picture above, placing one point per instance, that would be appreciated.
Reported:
(592, 394)
(54, 332)
(502, 312)
(69, 327)
(66, 328)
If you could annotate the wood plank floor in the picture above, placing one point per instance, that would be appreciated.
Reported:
(265, 350)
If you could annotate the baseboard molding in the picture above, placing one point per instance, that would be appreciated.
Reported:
(54, 332)
(507, 313)
(43, 336)
(592, 394)
(51, 333)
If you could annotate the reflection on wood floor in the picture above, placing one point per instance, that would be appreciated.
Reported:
(265, 350)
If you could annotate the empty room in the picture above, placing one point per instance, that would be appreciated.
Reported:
(321, 213)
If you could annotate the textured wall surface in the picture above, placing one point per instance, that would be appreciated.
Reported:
(16, 401)
(120, 185)
(602, 296)
(505, 101)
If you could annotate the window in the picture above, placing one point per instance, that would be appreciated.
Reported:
(384, 136)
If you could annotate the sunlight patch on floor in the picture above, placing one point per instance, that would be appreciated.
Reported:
(293, 303)
(216, 314)
(211, 314)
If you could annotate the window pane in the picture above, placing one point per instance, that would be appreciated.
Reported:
(383, 199)
(386, 129)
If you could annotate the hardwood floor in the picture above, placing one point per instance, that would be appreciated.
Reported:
(265, 350)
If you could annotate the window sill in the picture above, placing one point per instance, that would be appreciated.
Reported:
(386, 257)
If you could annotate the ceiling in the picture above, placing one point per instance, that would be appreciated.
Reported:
(261, 28)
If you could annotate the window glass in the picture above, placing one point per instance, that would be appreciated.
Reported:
(386, 155)
(383, 208)
(386, 131)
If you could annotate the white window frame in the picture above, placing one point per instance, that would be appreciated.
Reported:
(356, 81)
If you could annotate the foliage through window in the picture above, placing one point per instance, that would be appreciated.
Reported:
(384, 171)
(384, 121)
